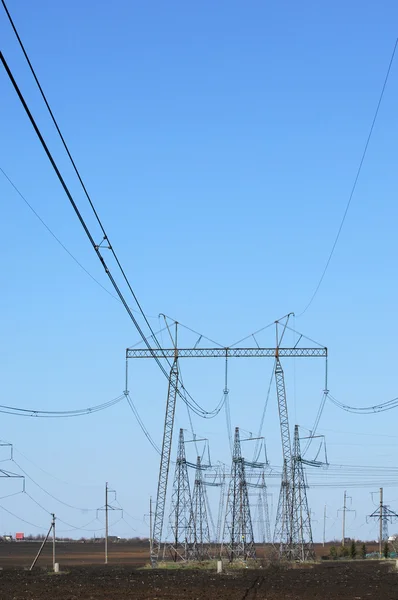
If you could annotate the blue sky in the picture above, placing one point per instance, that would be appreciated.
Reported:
(219, 143)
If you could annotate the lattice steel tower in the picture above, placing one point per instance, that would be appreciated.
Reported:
(263, 512)
(165, 461)
(225, 353)
(283, 523)
(302, 544)
(181, 505)
(238, 528)
(199, 532)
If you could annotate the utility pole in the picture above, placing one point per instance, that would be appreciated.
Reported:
(106, 523)
(381, 523)
(107, 507)
(150, 526)
(344, 509)
(53, 528)
(324, 526)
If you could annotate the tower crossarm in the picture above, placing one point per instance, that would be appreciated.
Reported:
(320, 352)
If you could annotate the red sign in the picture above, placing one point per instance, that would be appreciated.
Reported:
(19, 536)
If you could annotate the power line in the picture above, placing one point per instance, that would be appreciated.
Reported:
(141, 424)
(21, 519)
(51, 474)
(354, 184)
(54, 236)
(49, 493)
(97, 247)
(365, 410)
(30, 412)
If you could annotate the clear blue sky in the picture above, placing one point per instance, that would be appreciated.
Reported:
(219, 142)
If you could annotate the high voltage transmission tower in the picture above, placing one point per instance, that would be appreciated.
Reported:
(181, 517)
(303, 548)
(263, 512)
(199, 532)
(238, 527)
(176, 354)
(284, 514)
(221, 503)
(384, 515)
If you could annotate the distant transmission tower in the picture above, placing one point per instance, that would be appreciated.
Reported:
(221, 506)
(199, 532)
(263, 512)
(384, 515)
(181, 505)
(302, 544)
(282, 533)
(238, 528)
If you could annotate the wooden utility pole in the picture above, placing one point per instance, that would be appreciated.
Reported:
(53, 528)
(106, 523)
(381, 523)
(324, 525)
(150, 525)
(344, 511)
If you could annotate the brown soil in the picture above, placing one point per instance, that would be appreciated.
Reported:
(362, 580)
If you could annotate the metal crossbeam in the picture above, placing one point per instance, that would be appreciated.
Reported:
(226, 352)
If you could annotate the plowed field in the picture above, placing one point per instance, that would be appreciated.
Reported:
(367, 580)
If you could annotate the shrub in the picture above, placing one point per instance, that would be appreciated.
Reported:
(353, 549)
(363, 551)
(333, 552)
(344, 552)
(386, 550)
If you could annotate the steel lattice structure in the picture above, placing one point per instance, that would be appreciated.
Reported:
(238, 528)
(302, 547)
(283, 523)
(282, 532)
(175, 354)
(199, 532)
(226, 352)
(164, 463)
(220, 507)
(181, 517)
(263, 512)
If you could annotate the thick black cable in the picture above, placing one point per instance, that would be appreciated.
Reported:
(354, 184)
(105, 238)
(199, 411)
(71, 159)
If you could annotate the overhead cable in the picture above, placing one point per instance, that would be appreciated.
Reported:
(31, 412)
(21, 519)
(354, 184)
(365, 410)
(105, 243)
(49, 493)
(57, 238)
(141, 424)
